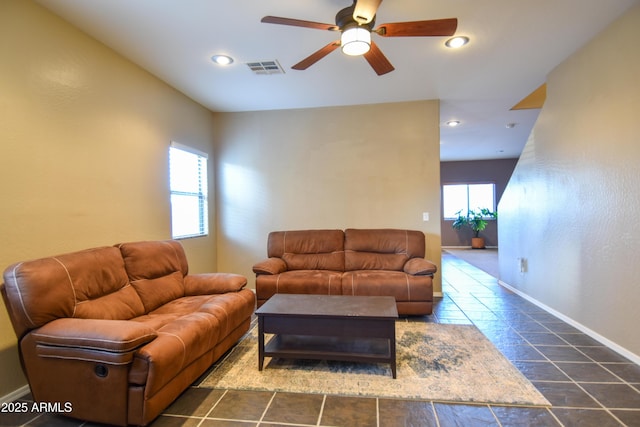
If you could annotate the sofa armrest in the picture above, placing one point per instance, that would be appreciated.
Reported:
(420, 267)
(116, 336)
(270, 266)
(213, 283)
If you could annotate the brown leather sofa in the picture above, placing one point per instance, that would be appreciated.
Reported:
(115, 334)
(387, 262)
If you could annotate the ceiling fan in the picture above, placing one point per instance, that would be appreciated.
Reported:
(355, 24)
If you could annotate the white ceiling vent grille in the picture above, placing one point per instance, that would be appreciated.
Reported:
(265, 67)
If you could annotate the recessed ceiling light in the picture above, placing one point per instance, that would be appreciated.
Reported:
(453, 123)
(456, 42)
(222, 59)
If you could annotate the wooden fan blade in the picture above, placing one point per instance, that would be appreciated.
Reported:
(298, 23)
(316, 56)
(365, 11)
(378, 61)
(436, 27)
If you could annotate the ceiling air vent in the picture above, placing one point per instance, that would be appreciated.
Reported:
(265, 67)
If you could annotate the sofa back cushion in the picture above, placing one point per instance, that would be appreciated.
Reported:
(86, 284)
(308, 249)
(156, 270)
(381, 249)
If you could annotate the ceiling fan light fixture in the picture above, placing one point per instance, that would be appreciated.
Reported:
(355, 40)
(456, 42)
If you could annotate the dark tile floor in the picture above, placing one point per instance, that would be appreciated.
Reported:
(587, 383)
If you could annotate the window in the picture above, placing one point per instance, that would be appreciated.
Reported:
(188, 184)
(467, 197)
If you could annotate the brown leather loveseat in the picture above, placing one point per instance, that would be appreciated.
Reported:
(115, 334)
(387, 262)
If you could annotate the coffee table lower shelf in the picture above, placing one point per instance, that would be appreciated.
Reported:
(367, 350)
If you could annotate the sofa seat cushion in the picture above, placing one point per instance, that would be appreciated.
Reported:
(187, 328)
(317, 282)
(230, 309)
(392, 283)
(181, 340)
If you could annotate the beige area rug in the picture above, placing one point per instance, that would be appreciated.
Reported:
(439, 362)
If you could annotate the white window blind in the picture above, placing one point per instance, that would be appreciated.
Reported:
(188, 184)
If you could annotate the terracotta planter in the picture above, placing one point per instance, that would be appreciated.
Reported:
(477, 243)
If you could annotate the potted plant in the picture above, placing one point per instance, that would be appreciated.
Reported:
(477, 221)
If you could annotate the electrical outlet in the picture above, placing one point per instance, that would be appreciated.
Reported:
(522, 265)
(425, 216)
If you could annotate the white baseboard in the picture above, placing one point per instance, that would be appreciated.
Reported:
(596, 336)
(16, 394)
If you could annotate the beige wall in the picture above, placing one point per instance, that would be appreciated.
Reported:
(572, 207)
(340, 167)
(84, 136)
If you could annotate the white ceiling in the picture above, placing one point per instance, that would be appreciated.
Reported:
(514, 45)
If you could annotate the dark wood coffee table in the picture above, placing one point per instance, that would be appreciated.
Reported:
(329, 327)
